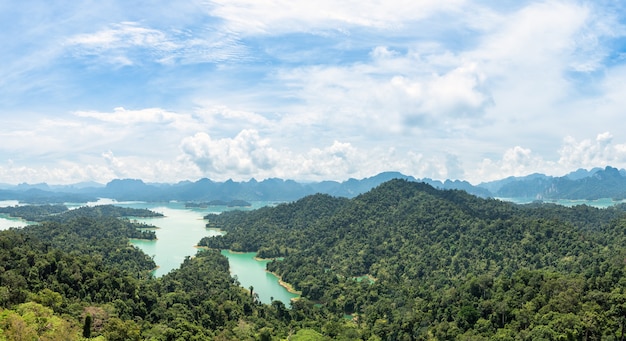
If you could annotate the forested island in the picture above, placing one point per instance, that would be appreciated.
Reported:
(404, 261)
(205, 204)
(49, 212)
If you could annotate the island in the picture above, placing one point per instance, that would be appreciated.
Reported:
(205, 204)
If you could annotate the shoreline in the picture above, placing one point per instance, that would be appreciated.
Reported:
(282, 283)
(285, 285)
(130, 240)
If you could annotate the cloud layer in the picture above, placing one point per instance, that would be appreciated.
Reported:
(475, 90)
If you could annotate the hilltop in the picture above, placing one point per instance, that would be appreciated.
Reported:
(411, 261)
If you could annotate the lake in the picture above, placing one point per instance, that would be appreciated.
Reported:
(178, 234)
(6, 222)
(252, 273)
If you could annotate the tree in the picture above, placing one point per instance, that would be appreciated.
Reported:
(87, 327)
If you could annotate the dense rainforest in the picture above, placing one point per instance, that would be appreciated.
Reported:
(408, 262)
(74, 276)
(403, 261)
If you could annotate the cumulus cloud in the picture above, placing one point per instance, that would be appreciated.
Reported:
(250, 155)
(245, 154)
(515, 161)
(116, 165)
(573, 154)
(338, 158)
(320, 90)
(590, 153)
(457, 93)
(393, 92)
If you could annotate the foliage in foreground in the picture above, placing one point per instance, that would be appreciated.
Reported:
(402, 262)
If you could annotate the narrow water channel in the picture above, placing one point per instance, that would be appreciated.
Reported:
(178, 234)
(251, 272)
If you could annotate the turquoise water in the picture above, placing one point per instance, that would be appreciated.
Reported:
(6, 222)
(251, 272)
(178, 233)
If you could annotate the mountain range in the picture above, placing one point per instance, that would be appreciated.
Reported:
(591, 184)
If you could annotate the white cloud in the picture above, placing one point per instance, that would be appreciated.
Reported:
(64, 173)
(121, 116)
(129, 43)
(392, 92)
(249, 155)
(516, 161)
(535, 34)
(339, 158)
(456, 93)
(245, 154)
(116, 165)
(591, 153)
(122, 35)
(382, 52)
(573, 154)
(230, 121)
(278, 16)
(311, 91)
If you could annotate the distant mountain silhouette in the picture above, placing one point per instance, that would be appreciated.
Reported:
(204, 190)
(580, 184)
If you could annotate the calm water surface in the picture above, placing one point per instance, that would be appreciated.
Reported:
(7, 222)
(178, 234)
(251, 272)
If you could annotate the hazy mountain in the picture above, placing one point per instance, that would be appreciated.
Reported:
(353, 187)
(581, 184)
(461, 185)
(272, 189)
(38, 196)
(495, 186)
(581, 173)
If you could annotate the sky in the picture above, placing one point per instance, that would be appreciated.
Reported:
(166, 91)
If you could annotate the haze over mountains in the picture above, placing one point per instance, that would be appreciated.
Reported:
(580, 184)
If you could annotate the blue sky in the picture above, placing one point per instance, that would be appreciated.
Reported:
(167, 90)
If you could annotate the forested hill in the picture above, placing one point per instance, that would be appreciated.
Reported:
(445, 264)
